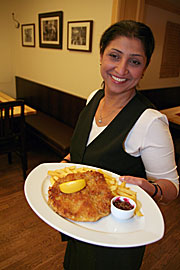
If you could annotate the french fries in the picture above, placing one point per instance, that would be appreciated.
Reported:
(116, 189)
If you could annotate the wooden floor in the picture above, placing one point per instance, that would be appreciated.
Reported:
(26, 242)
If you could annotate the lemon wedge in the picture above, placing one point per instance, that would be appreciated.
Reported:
(72, 186)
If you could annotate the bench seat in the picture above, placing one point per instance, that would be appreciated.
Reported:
(53, 132)
(57, 114)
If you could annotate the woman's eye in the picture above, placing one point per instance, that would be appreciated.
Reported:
(134, 62)
(114, 56)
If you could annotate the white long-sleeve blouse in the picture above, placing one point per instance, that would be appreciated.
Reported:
(149, 138)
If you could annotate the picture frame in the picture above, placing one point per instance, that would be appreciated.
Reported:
(79, 35)
(28, 35)
(51, 30)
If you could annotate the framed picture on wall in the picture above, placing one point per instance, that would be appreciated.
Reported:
(28, 35)
(79, 36)
(51, 30)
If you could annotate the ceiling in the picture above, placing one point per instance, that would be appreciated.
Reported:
(174, 2)
(170, 5)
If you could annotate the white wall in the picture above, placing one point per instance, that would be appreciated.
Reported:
(156, 18)
(71, 71)
(6, 48)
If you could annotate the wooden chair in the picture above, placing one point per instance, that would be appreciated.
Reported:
(12, 131)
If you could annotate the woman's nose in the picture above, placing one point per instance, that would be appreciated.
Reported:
(121, 67)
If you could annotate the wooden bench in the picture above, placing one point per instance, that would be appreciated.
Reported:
(163, 98)
(57, 113)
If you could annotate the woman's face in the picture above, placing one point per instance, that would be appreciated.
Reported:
(122, 64)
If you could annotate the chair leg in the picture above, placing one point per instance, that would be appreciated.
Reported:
(10, 158)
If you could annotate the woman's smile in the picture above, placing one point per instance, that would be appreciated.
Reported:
(118, 80)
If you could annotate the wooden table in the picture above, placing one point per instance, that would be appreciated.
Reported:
(27, 110)
(173, 114)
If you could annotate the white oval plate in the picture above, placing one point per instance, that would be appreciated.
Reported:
(107, 231)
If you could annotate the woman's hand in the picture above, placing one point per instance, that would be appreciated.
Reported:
(66, 159)
(169, 191)
(141, 182)
(133, 180)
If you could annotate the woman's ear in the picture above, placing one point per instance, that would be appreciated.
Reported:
(143, 72)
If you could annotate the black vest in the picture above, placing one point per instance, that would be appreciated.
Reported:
(106, 151)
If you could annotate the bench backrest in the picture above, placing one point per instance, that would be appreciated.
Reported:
(164, 97)
(66, 107)
(62, 106)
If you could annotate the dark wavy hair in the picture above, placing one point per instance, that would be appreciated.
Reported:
(130, 29)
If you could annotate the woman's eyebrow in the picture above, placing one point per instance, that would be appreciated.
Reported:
(132, 54)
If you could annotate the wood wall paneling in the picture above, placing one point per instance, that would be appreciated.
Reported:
(128, 10)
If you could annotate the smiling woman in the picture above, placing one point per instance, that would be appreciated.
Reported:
(122, 65)
(125, 134)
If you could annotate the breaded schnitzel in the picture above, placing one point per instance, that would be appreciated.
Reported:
(89, 204)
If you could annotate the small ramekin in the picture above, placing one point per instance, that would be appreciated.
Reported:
(120, 213)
